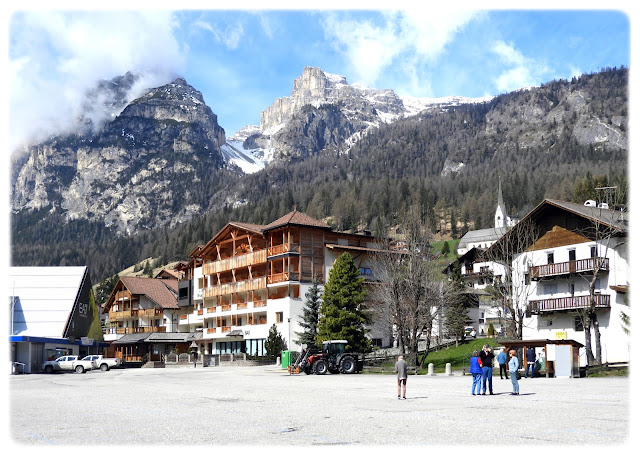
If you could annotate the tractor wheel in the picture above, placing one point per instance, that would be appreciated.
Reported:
(348, 365)
(321, 367)
(307, 370)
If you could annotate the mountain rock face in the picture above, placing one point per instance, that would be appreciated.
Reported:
(149, 167)
(324, 112)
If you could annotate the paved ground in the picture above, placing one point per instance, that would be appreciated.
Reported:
(266, 406)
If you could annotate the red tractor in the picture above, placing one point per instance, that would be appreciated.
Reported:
(333, 358)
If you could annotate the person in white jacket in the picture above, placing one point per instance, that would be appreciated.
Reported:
(514, 364)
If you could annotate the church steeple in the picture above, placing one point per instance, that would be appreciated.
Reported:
(500, 218)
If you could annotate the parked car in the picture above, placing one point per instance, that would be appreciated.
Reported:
(67, 363)
(469, 332)
(103, 363)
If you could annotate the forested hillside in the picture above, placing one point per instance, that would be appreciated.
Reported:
(549, 141)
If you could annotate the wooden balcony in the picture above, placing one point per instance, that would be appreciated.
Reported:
(225, 329)
(225, 308)
(280, 277)
(259, 303)
(242, 306)
(211, 330)
(123, 295)
(230, 288)
(568, 303)
(283, 248)
(589, 265)
(235, 262)
(211, 309)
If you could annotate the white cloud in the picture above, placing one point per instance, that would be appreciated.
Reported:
(520, 71)
(54, 57)
(229, 37)
(409, 38)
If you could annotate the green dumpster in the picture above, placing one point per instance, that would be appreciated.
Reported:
(286, 357)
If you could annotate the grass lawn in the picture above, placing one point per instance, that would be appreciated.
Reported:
(458, 357)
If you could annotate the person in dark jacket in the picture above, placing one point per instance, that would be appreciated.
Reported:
(502, 362)
(531, 362)
(486, 358)
(476, 372)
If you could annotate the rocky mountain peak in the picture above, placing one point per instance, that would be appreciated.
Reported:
(140, 170)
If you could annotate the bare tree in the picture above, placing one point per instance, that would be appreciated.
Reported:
(511, 288)
(607, 228)
(411, 289)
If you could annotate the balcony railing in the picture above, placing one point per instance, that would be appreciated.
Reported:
(259, 303)
(211, 309)
(568, 303)
(225, 329)
(211, 330)
(280, 277)
(567, 268)
(284, 248)
(235, 262)
(230, 288)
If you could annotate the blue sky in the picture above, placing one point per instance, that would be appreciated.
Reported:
(243, 60)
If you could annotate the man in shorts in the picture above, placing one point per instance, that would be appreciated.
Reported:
(401, 369)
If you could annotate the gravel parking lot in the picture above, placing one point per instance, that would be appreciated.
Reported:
(266, 406)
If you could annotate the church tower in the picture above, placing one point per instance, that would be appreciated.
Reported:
(500, 218)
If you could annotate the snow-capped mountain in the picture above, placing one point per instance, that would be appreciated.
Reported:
(323, 111)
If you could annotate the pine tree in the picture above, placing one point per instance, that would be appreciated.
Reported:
(274, 344)
(445, 248)
(343, 313)
(310, 316)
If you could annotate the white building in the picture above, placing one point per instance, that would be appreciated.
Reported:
(52, 313)
(484, 238)
(576, 245)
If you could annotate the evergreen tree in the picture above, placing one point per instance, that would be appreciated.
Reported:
(274, 344)
(148, 271)
(103, 290)
(343, 313)
(310, 316)
(445, 248)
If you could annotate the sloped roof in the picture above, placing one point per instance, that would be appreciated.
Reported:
(298, 219)
(257, 228)
(612, 218)
(43, 298)
(482, 235)
(153, 288)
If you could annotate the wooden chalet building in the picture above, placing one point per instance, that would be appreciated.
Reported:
(249, 277)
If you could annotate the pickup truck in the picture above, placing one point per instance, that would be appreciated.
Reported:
(67, 363)
(104, 363)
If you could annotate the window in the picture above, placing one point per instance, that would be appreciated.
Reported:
(572, 255)
(550, 258)
(578, 324)
(364, 271)
(593, 251)
(279, 317)
(550, 288)
(572, 289)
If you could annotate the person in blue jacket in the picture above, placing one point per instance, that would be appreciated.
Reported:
(502, 361)
(476, 373)
(514, 364)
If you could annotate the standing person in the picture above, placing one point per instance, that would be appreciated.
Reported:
(514, 364)
(502, 362)
(531, 362)
(401, 369)
(476, 372)
(486, 357)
